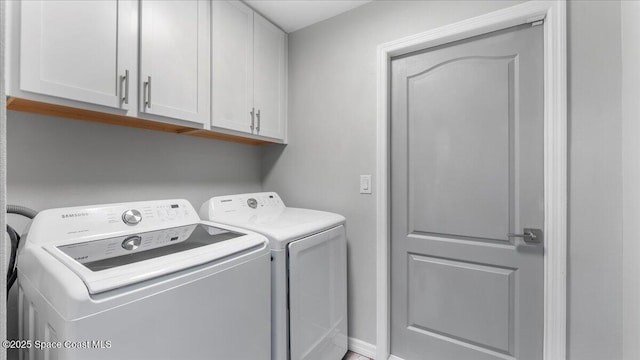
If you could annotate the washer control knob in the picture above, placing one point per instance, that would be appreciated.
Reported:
(253, 203)
(131, 217)
(132, 242)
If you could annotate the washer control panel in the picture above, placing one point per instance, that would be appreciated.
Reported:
(150, 213)
(81, 222)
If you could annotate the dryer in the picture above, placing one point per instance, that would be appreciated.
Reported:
(142, 280)
(308, 269)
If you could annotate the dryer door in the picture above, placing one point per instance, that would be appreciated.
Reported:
(318, 296)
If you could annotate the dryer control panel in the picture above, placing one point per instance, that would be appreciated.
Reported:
(84, 222)
(241, 204)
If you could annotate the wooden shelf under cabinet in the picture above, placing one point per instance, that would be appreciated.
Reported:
(37, 107)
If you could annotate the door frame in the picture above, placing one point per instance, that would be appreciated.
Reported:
(555, 159)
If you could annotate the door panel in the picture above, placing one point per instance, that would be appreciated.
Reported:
(269, 77)
(232, 65)
(467, 170)
(76, 49)
(467, 185)
(174, 67)
(449, 288)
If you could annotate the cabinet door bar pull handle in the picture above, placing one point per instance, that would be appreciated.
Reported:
(258, 127)
(252, 112)
(147, 92)
(124, 93)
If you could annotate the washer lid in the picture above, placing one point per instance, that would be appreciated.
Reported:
(110, 263)
(283, 225)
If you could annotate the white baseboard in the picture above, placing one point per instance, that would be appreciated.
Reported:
(366, 349)
(362, 348)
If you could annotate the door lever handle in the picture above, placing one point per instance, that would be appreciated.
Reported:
(534, 236)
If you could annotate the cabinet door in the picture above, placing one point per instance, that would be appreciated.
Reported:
(232, 66)
(174, 59)
(269, 89)
(78, 50)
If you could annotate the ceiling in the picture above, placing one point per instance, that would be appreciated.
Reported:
(292, 15)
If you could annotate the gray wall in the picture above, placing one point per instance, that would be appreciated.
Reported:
(631, 177)
(55, 162)
(595, 181)
(332, 112)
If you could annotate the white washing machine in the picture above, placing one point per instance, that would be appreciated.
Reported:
(309, 272)
(143, 280)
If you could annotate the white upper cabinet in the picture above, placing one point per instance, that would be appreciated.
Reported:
(232, 66)
(269, 88)
(79, 50)
(174, 59)
(198, 64)
(248, 72)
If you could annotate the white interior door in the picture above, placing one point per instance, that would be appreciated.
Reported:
(269, 78)
(175, 59)
(78, 50)
(467, 170)
(318, 296)
(232, 66)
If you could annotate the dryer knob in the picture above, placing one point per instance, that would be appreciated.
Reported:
(131, 217)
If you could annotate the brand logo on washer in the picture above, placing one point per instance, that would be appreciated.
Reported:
(74, 215)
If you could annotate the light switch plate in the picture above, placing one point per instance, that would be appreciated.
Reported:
(365, 184)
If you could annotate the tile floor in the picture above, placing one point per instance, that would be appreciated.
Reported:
(353, 356)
